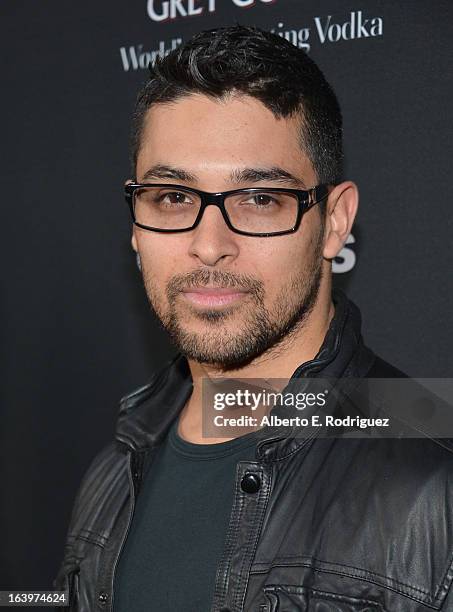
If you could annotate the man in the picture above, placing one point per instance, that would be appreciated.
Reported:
(239, 208)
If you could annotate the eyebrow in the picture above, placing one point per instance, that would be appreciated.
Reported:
(243, 175)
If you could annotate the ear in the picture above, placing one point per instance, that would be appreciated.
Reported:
(341, 210)
(133, 239)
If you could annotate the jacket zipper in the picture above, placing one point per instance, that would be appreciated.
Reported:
(131, 470)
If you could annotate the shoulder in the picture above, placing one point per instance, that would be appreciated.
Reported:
(108, 470)
(173, 371)
(414, 403)
(107, 475)
(381, 368)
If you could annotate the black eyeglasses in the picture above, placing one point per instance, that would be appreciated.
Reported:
(160, 207)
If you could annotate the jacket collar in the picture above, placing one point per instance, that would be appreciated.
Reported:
(146, 414)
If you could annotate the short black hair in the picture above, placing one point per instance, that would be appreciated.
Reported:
(260, 64)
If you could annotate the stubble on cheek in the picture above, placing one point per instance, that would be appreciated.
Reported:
(155, 296)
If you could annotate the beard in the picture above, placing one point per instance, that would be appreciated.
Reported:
(261, 329)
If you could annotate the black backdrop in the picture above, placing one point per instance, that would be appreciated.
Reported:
(77, 332)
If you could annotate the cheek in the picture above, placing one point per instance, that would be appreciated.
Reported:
(278, 265)
(159, 253)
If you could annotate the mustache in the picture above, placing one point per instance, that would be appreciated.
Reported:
(215, 278)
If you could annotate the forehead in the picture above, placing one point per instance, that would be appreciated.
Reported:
(198, 132)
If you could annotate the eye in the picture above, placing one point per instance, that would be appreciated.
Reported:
(264, 200)
(173, 198)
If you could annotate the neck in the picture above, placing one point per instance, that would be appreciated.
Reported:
(277, 363)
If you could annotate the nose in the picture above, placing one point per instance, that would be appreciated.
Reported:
(213, 240)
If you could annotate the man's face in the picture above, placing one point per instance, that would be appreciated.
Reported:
(271, 282)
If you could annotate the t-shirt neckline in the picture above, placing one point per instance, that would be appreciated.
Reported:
(209, 451)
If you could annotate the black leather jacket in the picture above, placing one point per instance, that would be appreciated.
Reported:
(336, 524)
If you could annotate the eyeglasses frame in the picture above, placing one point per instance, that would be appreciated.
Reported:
(306, 199)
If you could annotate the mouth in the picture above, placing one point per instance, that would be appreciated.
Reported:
(213, 296)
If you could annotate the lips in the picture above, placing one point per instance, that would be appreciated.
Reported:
(213, 296)
(214, 290)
